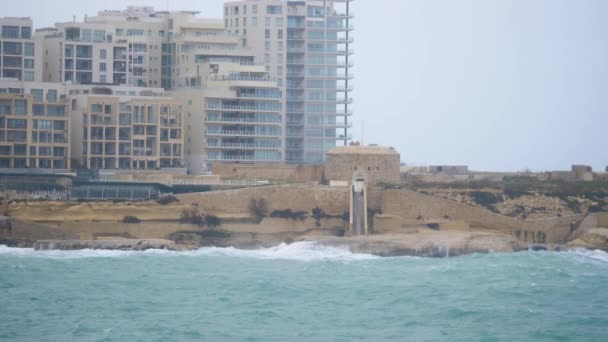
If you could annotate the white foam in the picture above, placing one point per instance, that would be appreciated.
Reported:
(597, 254)
(302, 251)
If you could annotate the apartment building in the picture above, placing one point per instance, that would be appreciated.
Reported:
(307, 46)
(126, 128)
(115, 47)
(34, 125)
(236, 116)
(234, 106)
(20, 57)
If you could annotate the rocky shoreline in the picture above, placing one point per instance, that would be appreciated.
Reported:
(426, 244)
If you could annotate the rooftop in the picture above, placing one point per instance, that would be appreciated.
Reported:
(363, 150)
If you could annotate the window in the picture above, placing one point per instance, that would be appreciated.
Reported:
(267, 45)
(102, 79)
(26, 32)
(11, 32)
(267, 34)
(69, 51)
(103, 54)
(38, 95)
(17, 123)
(136, 32)
(52, 110)
(86, 35)
(102, 67)
(84, 51)
(315, 12)
(267, 22)
(38, 109)
(279, 22)
(254, 9)
(99, 36)
(28, 49)
(273, 9)
(59, 125)
(244, 9)
(28, 75)
(5, 107)
(280, 34)
(84, 64)
(13, 48)
(28, 63)
(254, 21)
(51, 96)
(20, 107)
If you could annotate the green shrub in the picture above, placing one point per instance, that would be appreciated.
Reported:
(289, 214)
(167, 200)
(191, 216)
(214, 233)
(486, 199)
(212, 221)
(130, 219)
(258, 207)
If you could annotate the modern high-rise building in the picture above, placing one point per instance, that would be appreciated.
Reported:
(307, 46)
(19, 56)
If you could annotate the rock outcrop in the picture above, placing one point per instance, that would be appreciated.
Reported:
(115, 244)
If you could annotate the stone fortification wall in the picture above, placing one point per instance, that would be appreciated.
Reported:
(297, 197)
(292, 173)
(411, 208)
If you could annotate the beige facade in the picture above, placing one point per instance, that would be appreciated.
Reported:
(381, 164)
(34, 125)
(234, 107)
(126, 128)
(20, 55)
(112, 48)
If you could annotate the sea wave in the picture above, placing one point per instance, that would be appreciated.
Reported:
(301, 251)
(597, 254)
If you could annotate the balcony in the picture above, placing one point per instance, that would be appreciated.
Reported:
(342, 52)
(244, 121)
(244, 146)
(349, 15)
(227, 133)
(259, 96)
(332, 125)
(242, 108)
(242, 158)
(243, 78)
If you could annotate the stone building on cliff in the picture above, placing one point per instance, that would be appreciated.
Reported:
(380, 163)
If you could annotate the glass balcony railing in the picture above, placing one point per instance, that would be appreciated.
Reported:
(243, 133)
(244, 120)
(244, 145)
(243, 78)
(245, 108)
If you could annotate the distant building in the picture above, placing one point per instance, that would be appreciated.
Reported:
(381, 164)
(307, 46)
(449, 169)
(126, 128)
(577, 173)
(20, 54)
(34, 125)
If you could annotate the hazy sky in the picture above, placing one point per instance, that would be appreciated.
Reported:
(494, 84)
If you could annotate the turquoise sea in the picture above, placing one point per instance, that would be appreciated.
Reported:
(301, 292)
